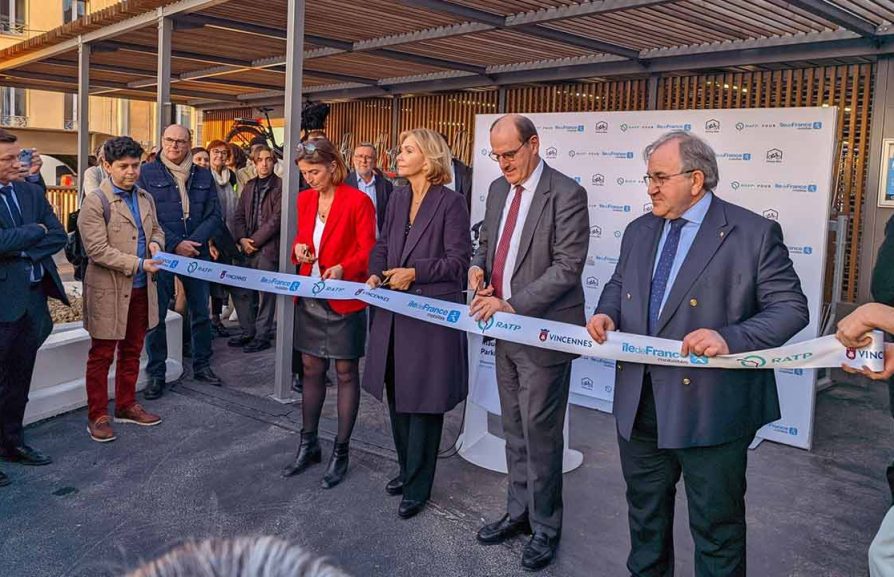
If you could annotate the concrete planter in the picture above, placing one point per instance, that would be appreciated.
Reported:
(59, 374)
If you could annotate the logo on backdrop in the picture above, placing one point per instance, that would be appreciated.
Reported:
(647, 207)
(586, 384)
(806, 249)
(597, 180)
(552, 152)
(774, 155)
(712, 126)
(601, 127)
(771, 214)
(592, 282)
(596, 231)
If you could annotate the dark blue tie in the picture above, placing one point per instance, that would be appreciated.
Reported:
(11, 206)
(662, 272)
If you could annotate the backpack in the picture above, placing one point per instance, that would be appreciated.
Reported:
(74, 248)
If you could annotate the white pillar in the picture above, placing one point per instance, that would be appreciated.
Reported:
(285, 309)
(163, 107)
(83, 108)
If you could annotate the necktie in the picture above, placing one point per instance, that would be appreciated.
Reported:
(496, 277)
(662, 272)
(11, 206)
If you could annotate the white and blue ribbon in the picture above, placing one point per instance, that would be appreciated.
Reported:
(817, 353)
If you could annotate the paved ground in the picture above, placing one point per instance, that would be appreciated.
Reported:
(212, 469)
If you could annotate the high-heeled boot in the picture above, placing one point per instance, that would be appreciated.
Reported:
(309, 452)
(338, 466)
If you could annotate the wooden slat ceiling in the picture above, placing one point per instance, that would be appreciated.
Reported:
(661, 25)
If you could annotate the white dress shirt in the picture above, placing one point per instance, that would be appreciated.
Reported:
(530, 187)
(319, 227)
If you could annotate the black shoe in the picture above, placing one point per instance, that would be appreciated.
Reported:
(309, 452)
(296, 384)
(338, 466)
(395, 486)
(206, 375)
(154, 390)
(410, 508)
(25, 455)
(506, 528)
(219, 330)
(539, 552)
(239, 341)
(4, 480)
(256, 346)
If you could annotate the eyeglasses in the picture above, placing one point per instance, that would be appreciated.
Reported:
(496, 156)
(363, 157)
(175, 141)
(220, 152)
(305, 148)
(661, 179)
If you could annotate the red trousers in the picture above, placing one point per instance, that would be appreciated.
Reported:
(102, 353)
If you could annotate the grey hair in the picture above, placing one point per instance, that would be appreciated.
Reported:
(369, 145)
(695, 154)
(239, 557)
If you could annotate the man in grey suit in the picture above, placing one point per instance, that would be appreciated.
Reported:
(532, 248)
(719, 278)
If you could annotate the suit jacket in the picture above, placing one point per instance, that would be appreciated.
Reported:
(266, 238)
(552, 251)
(38, 247)
(430, 362)
(348, 238)
(463, 182)
(736, 279)
(383, 194)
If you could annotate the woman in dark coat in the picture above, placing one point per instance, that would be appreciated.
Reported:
(424, 249)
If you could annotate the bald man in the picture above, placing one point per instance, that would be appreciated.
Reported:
(189, 213)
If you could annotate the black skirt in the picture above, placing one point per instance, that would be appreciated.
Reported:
(322, 332)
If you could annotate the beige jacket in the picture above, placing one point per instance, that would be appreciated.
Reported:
(112, 249)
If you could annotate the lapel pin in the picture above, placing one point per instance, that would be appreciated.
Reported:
(722, 233)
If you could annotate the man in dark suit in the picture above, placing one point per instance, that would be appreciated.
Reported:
(30, 234)
(532, 248)
(717, 277)
(367, 178)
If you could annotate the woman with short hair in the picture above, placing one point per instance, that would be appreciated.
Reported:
(424, 249)
(336, 232)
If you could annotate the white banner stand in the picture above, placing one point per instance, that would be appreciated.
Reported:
(479, 446)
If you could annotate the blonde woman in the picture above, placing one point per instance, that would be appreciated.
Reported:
(424, 248)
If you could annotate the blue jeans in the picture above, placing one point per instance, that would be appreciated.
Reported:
(198, 294)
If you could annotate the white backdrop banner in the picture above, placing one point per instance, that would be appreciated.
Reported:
(776, 162)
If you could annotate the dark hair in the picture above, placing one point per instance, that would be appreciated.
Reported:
(237, 155)
(7, 137)
(197, 149)
(323, 152)
(523, 124)
(121, 147)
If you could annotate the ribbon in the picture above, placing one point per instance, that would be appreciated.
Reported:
(817, 353)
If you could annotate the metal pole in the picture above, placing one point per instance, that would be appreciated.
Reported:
(653, 92)
(285, 309)
(501, 100)
(83, 124)
(163, 107)
(395, 121)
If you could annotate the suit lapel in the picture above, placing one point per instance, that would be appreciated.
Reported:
(538, 203)
(106, 188)
(26, 202)
(401, 198)
(713, 231)
(426, 213)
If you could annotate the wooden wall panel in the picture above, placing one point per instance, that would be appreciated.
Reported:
(216, 123)
(369, 120)
(847, 87)
(584, 97)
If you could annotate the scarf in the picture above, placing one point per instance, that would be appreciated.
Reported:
(181, 175)
(223, 178)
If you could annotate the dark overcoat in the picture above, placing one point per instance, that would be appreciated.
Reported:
(431, 367)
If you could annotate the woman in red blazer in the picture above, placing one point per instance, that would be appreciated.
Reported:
(336, 233)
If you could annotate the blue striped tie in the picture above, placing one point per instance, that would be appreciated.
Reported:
(662, 272)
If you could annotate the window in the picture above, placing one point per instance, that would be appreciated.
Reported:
(73, 9)
(183, 115)
(12, 107)
(12, 16)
